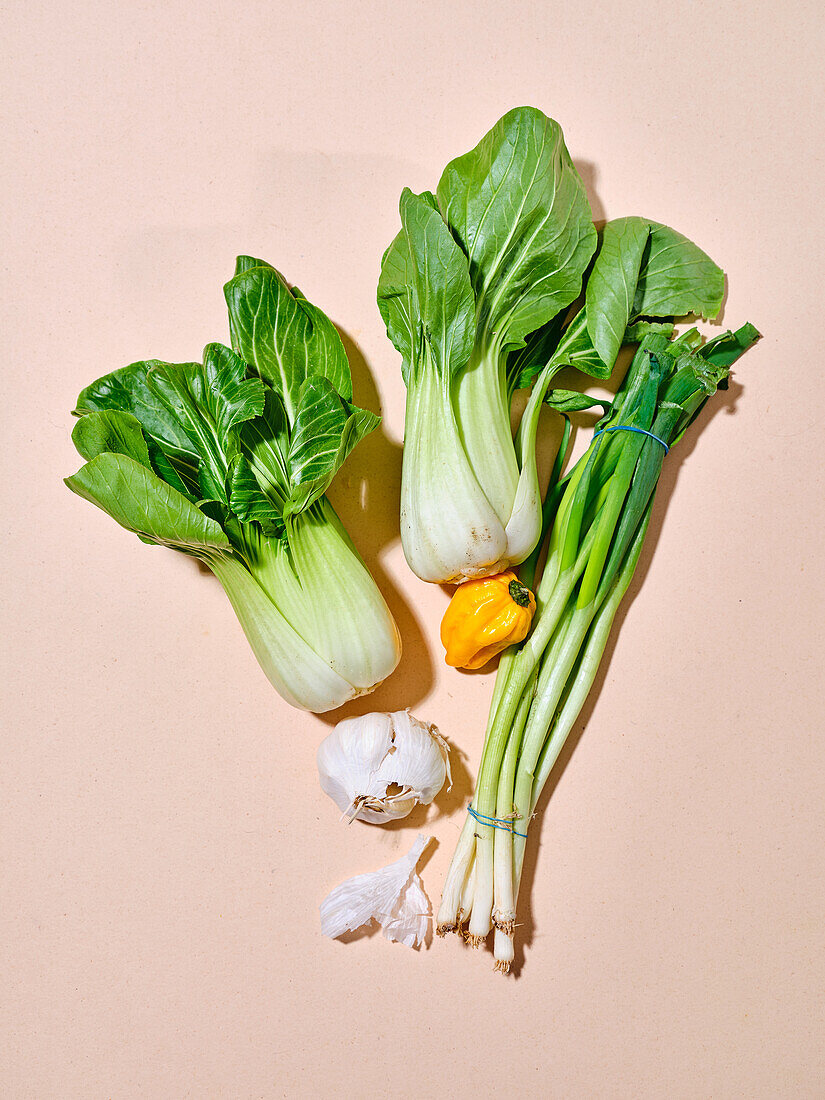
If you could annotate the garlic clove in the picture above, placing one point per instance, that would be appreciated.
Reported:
(377, 767)
(393, 896)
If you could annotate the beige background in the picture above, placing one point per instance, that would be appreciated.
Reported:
(165, 841)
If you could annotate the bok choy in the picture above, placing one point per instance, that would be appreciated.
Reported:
(476, 292)
(229, 461)
(480, 266)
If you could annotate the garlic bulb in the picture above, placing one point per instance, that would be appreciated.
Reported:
(377, 767)
(393, 896)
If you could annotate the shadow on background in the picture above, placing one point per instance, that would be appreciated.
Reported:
(589, 175)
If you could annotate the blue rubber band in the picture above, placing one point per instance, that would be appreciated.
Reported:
(495, 822)
(629, 428)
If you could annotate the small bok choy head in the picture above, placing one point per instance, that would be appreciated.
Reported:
(228, 461)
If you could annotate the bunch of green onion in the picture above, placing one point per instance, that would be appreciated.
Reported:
(594, 524)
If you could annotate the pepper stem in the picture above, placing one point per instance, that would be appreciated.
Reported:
(519, 594)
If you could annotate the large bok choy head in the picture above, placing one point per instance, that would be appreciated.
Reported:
(228, 460)
(476, 292)
(493, 257)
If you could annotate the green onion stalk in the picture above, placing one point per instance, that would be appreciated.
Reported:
(595, 520)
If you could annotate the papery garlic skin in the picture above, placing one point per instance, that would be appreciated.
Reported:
(363, 757)
(393, 896)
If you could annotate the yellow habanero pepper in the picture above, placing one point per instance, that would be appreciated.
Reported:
(484, 617)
